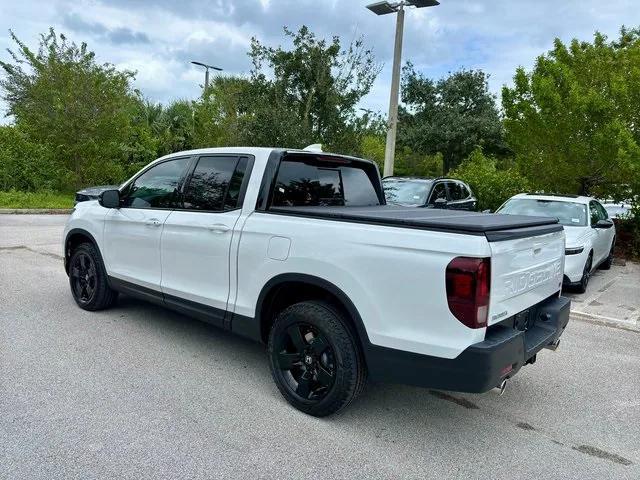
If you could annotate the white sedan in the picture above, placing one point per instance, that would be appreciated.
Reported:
(590, 233)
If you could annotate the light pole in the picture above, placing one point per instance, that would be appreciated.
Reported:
(384, 8)
(206, 72)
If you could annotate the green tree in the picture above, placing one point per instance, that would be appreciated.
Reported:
(407, 162)
(174, 127)
(306, 94)
(224, 114)
(143, 143)
(452, 116)
(491, 184)
(573, 122)
(63, 99)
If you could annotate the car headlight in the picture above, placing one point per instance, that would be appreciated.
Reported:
(573, 250)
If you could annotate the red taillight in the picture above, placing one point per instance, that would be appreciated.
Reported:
(468, 281)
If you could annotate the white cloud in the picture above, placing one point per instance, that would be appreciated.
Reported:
(159, 37)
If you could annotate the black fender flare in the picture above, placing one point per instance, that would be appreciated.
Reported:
(84, 233)
(335, 291)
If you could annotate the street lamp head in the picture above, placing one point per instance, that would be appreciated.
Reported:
(382, 8)
(385, 7)
(423, 3)
(200, 64)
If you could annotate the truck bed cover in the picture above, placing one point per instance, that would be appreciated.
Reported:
(495, 227)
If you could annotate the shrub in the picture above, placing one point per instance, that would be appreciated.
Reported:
(407, 162)
(628, 234)
(491, 185)
(25, 165)
(45, 199)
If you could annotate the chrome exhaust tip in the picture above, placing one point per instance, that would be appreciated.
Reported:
(501, 387)
(554, 346)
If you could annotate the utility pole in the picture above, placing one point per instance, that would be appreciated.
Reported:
(384, 8)
(392, 125)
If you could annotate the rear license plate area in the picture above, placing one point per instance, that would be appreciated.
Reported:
(524, 320)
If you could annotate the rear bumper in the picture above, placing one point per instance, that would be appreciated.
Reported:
(481, 366)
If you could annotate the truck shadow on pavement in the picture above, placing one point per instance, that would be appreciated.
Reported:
(401, 413)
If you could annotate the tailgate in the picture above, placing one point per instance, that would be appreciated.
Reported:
(524, 272)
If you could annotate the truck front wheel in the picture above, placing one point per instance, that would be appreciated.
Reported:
(314, 358)
(88, 279)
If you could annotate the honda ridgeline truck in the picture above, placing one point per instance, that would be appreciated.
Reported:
(298, 250)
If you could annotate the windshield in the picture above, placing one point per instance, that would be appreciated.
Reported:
(568, 213)
(406, 192)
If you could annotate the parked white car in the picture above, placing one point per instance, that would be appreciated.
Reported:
(617, 209)
(298, 250)
(591, 234)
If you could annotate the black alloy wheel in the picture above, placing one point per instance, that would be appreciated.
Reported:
(306, 361)
(83, 277)
(586, 275)
(88, 279)
(315, 358)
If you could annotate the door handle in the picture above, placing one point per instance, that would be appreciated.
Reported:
(219, 228)
(153, 222)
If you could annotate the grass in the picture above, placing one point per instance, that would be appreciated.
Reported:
(16, 199)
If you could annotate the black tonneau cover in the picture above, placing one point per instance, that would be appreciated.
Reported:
(495, 227)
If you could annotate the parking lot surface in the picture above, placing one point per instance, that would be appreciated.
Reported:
(141, 392)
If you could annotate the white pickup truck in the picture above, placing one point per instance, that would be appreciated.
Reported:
(298, 250)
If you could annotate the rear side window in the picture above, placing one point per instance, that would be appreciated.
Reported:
(312, 183)
(439, 191)
(215, 184)
(593, 211)
(456, 191)
(157, 187)
(232, 199)
(602, 211)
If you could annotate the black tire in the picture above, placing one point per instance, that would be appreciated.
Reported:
(606, 265)
(586, 275)
(88, 279)
(314, 358)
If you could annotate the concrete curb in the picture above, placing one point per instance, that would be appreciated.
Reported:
(34, 211)
(605, 321)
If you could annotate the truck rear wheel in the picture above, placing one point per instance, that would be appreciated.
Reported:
(314, 358)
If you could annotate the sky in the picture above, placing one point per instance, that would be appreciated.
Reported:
(159, 38)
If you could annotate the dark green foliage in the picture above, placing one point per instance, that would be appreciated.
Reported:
(25, 165)
(573, 122)
(307, 94)
(491, 185)
(79, 123)
(452, 116)
(77, 109)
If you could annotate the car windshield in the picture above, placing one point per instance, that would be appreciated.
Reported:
(406, 192)
(568, 213)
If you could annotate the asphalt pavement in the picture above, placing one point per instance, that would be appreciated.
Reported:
(141, 392)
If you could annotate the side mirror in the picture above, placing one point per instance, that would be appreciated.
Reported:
(603, 224)
(440, 203)
(486, 211)
(110, 199)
